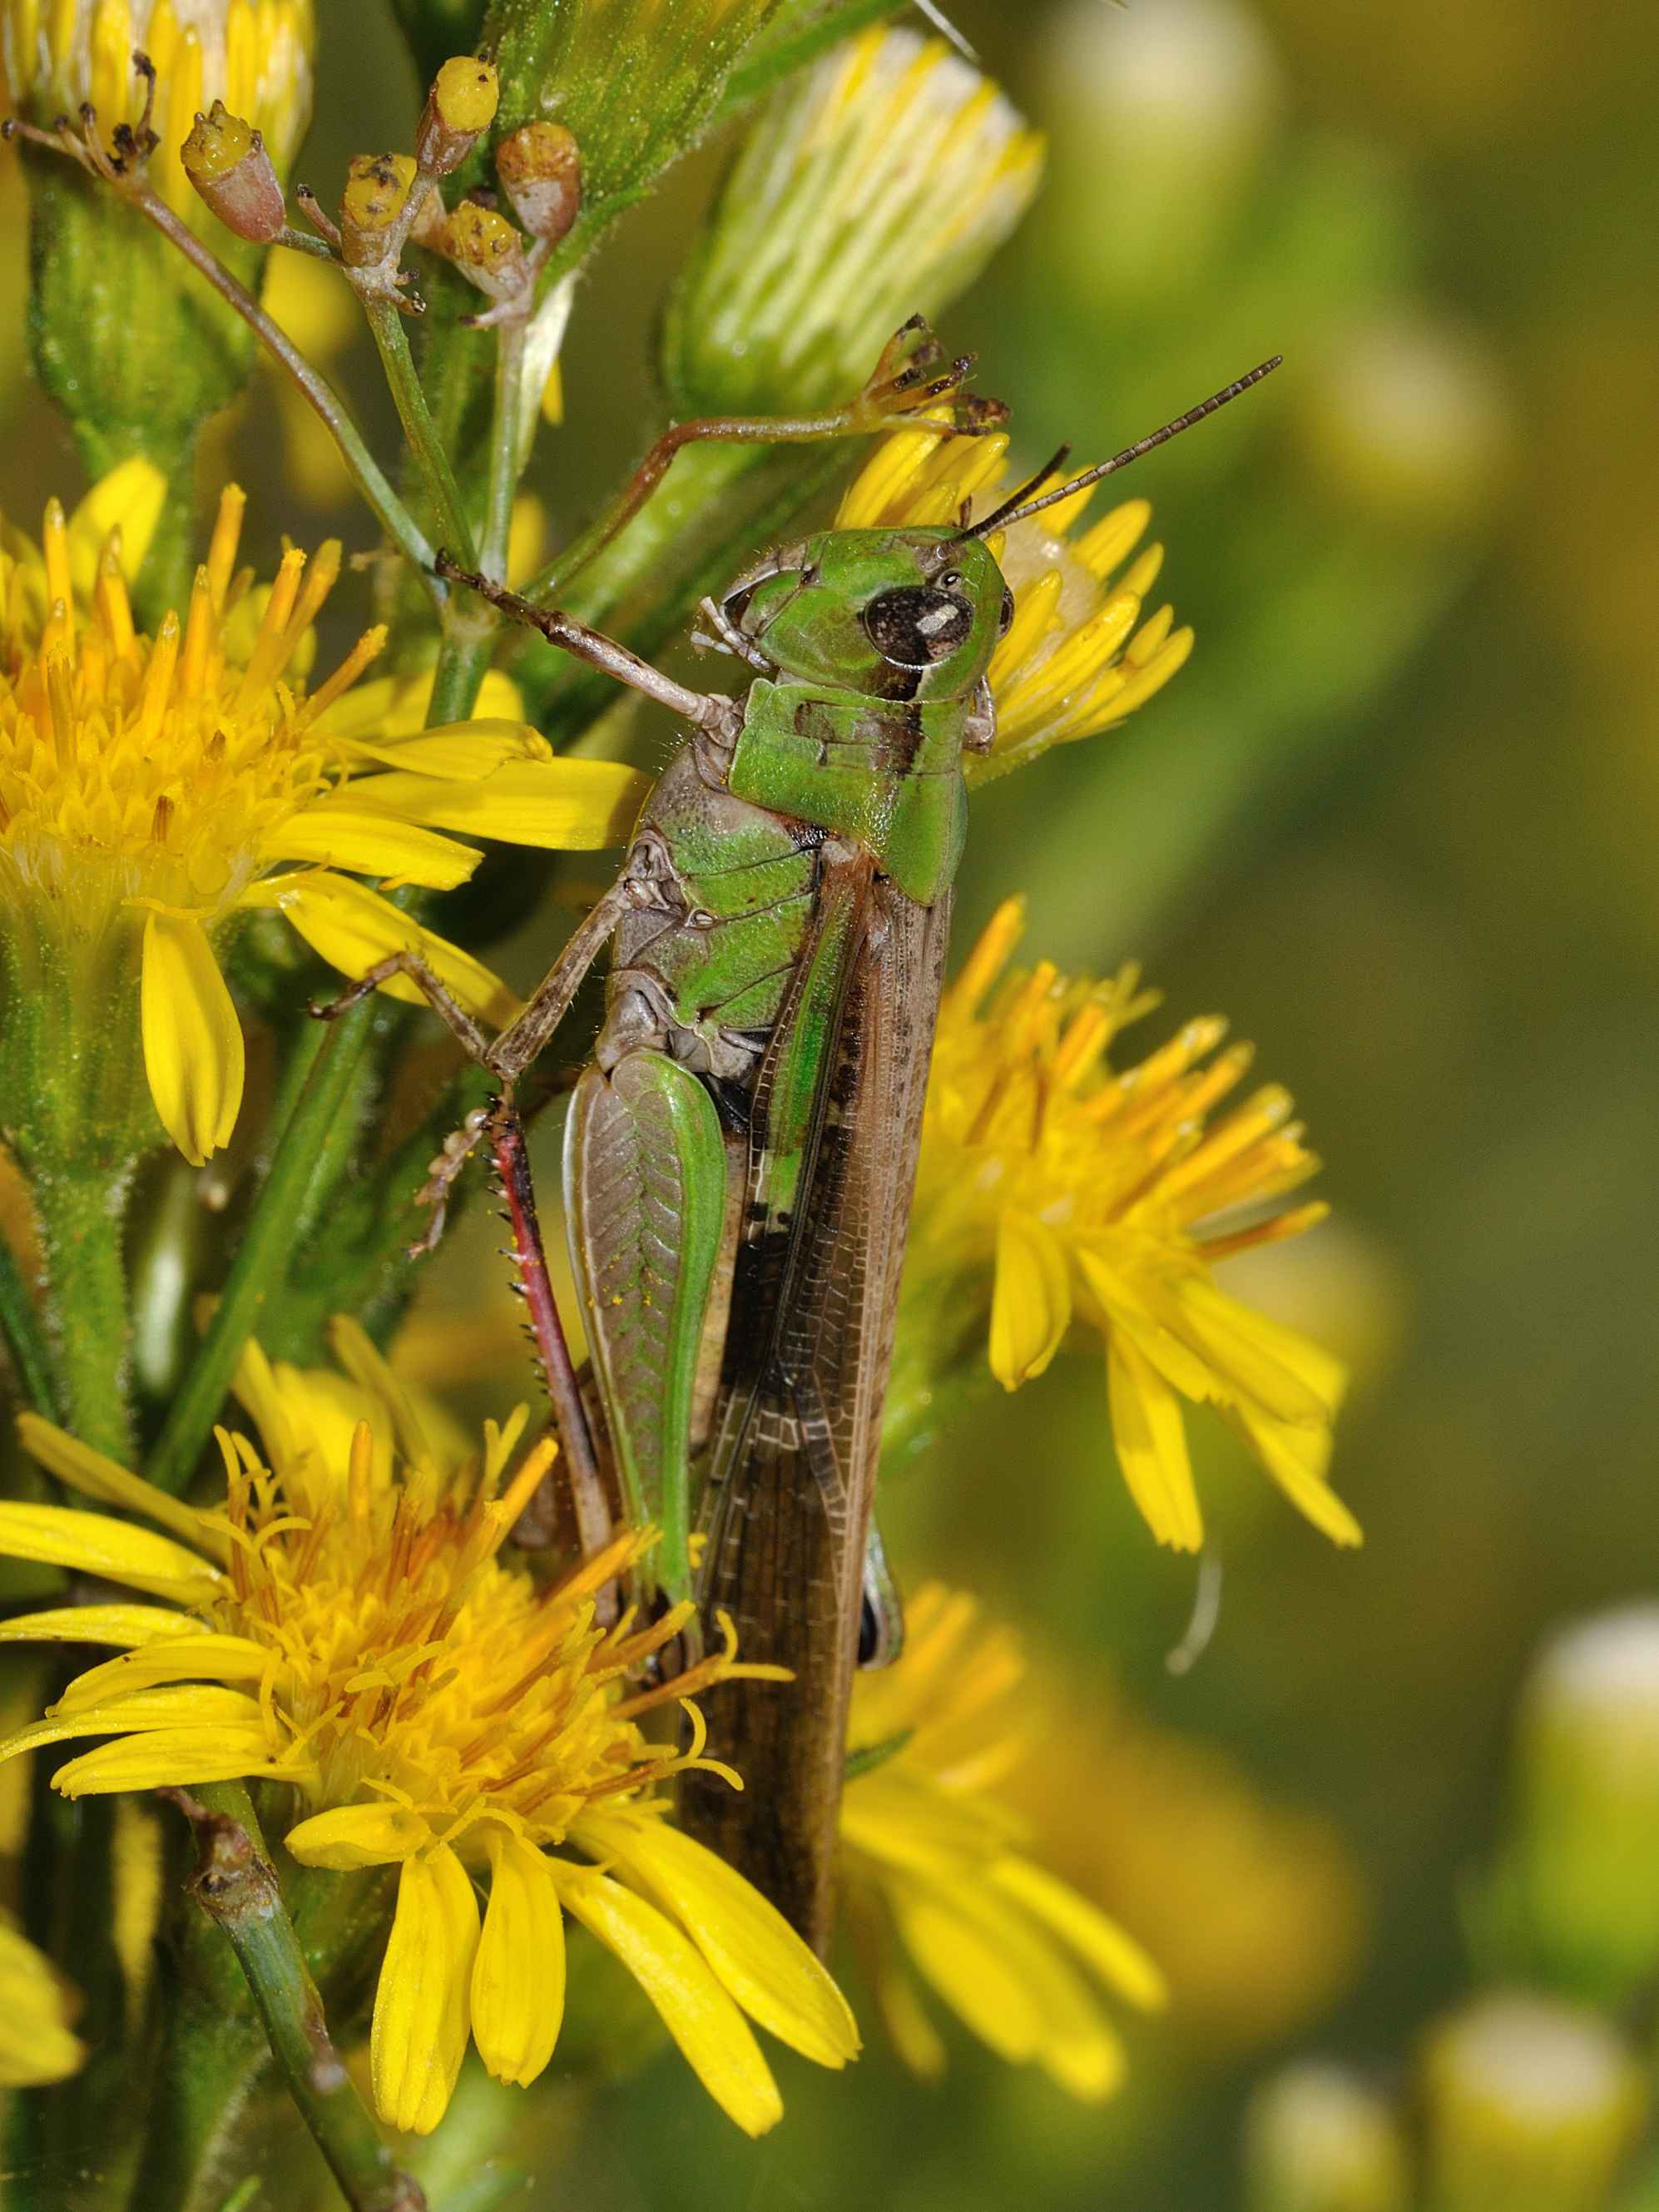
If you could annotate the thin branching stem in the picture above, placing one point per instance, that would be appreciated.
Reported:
(385, 323)
(394, 516)
(505, 449)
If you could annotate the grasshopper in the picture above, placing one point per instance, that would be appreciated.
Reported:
(741, 1148)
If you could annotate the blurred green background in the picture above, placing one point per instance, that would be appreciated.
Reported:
(1396, 819)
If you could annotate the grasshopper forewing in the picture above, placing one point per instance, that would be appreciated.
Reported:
(830, 1166)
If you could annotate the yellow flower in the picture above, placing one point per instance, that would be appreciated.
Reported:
(255, 55)
(154, 790)
(345, 1625)
(1078, 658)
(1059, 1190)
(931, 1871)
(36, 2046)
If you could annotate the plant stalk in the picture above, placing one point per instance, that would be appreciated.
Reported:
(236, 1885)
(385, 323)
(82, 1212)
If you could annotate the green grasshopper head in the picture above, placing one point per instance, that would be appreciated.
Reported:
(891, 614)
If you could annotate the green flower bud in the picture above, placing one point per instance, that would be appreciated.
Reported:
(874, 188)
(1530, 2106)
(1318, 2140)
(1406, 420)
(1575, 1887)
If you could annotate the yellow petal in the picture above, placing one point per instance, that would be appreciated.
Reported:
(129, 498)
(396, 706)
(349, 1836)
(1130, 1310)
(697, 2011)
(35, 2044)
(1296, 1458)
(96, 1544)
(1320, 1371)
(1248, 1350)
(348, 835)
(193, 1052)
(567, 805)
(1151, 1435)
(773, 1975)
(130, 1626)
(969, 1970)
(205, 1658)
(972, 1949)
(900, 1814)
(1116, 1958)
(419, 2037)
(165, 1758)
(908, 2029)
(167, 1706)
(454, 750)
(1031, 1304)
(352, 928)
(94, 1476)
(518, 1977)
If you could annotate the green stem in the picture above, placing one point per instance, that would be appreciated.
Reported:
(438, 478)
(235, 1885)
(504, 450)
(26, 1338)
(81, 1215)
(464, 661)
(329, 1056)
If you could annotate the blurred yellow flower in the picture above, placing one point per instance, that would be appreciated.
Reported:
(1078, 657)
(1072, 1192)
(36, 2046)
(931, 1872)
(255, 55)
(1254, 1909)
(344, 1624)
(151, 790)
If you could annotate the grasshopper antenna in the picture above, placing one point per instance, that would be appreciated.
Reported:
(1020, 505)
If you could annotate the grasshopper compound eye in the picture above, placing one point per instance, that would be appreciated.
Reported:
(1006, 614)
(915, 625)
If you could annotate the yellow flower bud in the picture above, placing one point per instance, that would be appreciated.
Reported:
(460, 105)
(373, 206)
(226, 161)
(539, 166)
(484, 247)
